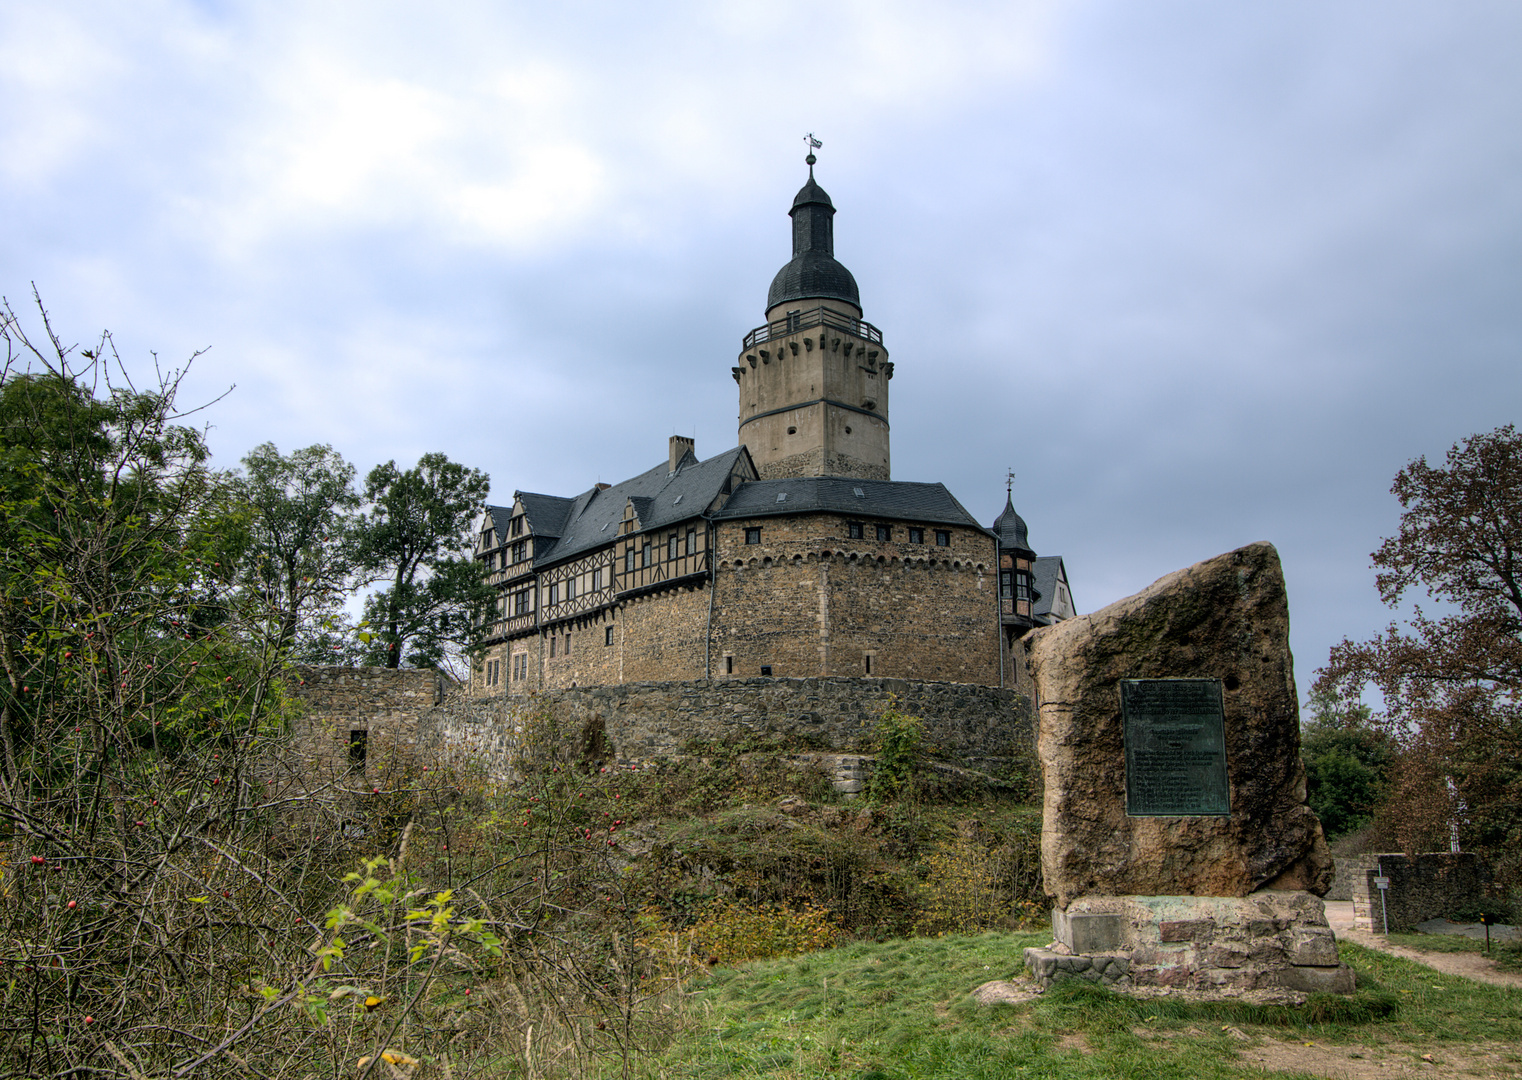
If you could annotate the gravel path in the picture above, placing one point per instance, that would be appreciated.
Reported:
(1477, 966)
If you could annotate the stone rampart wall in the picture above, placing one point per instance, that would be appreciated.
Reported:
(1433, 885)
(386, 705)
(422, 715)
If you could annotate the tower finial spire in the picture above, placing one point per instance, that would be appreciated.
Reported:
(814, 144)
(1009, 486)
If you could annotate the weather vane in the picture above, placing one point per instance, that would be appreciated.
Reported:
(1009, 484)
(814, 144)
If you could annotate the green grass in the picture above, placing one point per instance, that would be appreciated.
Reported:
(900, 1011)
(1506, 954)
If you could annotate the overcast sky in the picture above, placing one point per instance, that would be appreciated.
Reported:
(1201, 273)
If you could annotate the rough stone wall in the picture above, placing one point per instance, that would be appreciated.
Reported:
(808, 603)
(981, 728)
(663, 635)
(589, 659)
(387, 705)
(818, 462)
(1433, 885)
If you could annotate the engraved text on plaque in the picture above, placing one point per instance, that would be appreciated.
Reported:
(1175, 739)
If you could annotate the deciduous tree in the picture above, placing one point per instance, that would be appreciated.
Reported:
(303, 534)
(1452, 682)
(417, 537)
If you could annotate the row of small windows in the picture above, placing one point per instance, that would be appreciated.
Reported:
(857, 530)
(1014, 584)
(677, 546)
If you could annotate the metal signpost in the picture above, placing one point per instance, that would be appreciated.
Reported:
(1383, 885)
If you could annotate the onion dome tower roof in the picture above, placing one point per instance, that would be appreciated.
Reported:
(1011, 529)
(813, 273)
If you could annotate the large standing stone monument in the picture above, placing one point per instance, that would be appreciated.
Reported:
(1176, 841)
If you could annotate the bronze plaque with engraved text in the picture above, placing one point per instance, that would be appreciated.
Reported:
(1175, 739)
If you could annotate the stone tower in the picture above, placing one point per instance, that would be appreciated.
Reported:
(814, 379)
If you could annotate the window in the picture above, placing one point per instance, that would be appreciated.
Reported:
(629, 561)
(794, 321)
(884, 533)
(520, 666)
(553, 640)
(568, 645)
(607, 635)
(552, 594)
(853, 530)
(692, 541)
(942, 538)
(916, 536)
(358, 740)
(515, 527)
(645, 559)
(729, 665)
(753, 534)
(486, 540)
(597, 579)
(520, 550)
(671, 546)
(570, 588)
(766, 669)
(869, 663)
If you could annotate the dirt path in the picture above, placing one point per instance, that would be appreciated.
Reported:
(1474, 966)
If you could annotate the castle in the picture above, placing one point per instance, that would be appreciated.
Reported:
(793, 555)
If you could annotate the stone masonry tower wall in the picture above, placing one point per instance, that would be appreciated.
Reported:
(815, 403)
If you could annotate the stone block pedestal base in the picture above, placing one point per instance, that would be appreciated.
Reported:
(1268, 940)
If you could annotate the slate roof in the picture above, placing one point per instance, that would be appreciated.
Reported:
(811, 192)
(592, 518)
(901, 500)
(813, 272)
(546, 513)
(813, 275)
(1011, 530)
(1044, 575)
(499, 516)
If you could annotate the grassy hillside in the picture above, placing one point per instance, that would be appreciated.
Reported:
(901, 1010)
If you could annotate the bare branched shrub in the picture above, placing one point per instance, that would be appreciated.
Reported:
(186, 892)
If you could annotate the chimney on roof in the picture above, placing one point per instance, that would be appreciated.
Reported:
(681, 446)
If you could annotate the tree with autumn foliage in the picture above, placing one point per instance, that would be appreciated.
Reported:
(1451, 682)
